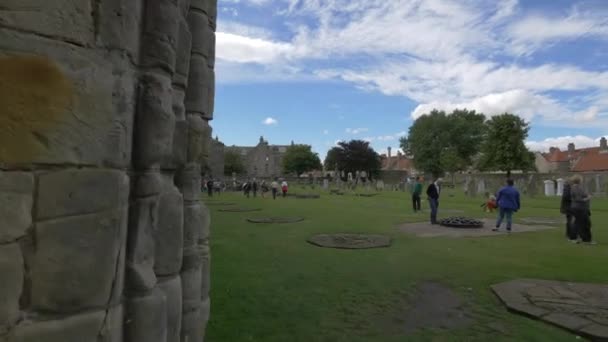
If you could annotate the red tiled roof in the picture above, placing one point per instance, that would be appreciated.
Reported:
(397, 163)
(592, 160)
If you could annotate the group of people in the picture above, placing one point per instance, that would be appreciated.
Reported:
(252, 186)
(212, 186)
(575, 204)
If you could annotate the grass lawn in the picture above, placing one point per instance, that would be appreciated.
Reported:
(268, 284)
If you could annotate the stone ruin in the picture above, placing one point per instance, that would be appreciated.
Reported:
(105, 129)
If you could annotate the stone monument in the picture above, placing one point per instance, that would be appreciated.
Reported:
(102, 233)
(549, 188)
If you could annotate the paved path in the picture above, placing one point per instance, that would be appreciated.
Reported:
(425, 229)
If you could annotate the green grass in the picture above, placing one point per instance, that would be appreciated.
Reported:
(268, 284)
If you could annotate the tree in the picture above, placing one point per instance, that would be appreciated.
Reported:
(233, 163)
(353, 156)
(299, 159)
(443, 142)
(504, 148)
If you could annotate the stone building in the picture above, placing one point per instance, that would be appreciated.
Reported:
(592, 159)
(263, 160)
(105, 127)
(215, 167)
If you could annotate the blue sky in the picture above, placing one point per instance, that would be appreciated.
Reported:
(320, 71)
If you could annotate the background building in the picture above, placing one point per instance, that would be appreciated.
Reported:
(263, 160)
(590, 159)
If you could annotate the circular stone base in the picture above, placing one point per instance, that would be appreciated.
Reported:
(367, 195)
(238, 210)
(540, 220)
(461, 222)
(276, 220)
(307, 196)
(212, 204)
(350, 241)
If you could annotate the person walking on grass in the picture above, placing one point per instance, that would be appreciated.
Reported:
(508, 203)
(565, 209)
(581, 210)
(433, 191)
(254, 187)
(284, 188)
(416, 194)
(275, 188)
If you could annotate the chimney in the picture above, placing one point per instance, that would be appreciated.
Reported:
(389, 152)
(553, 150)
(571, 147)
(603, 144)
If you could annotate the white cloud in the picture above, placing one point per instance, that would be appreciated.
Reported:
(356, 130)
(269, 121)
(580, 141)
(325, 132)
(243, 49)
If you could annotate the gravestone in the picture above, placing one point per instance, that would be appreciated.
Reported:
(325, 184)
(560, 186)
(481, 186)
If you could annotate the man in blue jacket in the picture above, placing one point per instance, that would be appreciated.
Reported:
(508, 203)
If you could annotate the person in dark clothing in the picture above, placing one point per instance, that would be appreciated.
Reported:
(508, 203)
(254, 187)
(566, 203)
(416, 194)
(247, 188)
(580, 208)
(210, 188)
(433, 191)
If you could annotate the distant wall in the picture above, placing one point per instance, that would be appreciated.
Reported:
(105, 124)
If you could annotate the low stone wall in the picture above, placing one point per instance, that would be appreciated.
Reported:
(105, 131)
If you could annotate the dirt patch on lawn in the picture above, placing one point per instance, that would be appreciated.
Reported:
(432, 306)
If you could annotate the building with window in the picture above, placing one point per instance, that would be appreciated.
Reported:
(263, 160)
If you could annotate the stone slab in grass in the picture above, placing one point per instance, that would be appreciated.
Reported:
(579, 307)
(425, 229)
(350, 241)
(219, 204)
(275, 219)
(240, 210)
(366, 195)
(307, 196)
(543, 220)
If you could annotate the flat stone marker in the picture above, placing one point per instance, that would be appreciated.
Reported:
(276, 220)
(542, 220)
(425, 229)
(350, 241)
(366, 195)
(239, 210)
(307, 196)
(579, 307)
(212, 204)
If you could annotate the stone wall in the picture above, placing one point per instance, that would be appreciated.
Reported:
(104, 131)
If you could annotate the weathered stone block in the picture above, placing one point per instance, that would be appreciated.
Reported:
(81, 191)
(154, 121)
(192, 327)
(65, 104)
(148, 183)
(11, 269)
(169, 234)
(143, 218)
(197, 129)
(204, 42)
(209, 7)
(111, 330)
(179, 110)
(180, 143)
(206, 226)
(205, 314)
(119, 24)
(192, 283)
(78, 328)
(193, 220)
(74, 266)
(16, 192)
(160, 35)
(50, 18)
(201, 87)
(184, 46)
(172, 288)
(205, 272)
(189, 182)
(146, 318)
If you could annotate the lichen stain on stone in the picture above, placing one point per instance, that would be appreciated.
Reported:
(34, 94)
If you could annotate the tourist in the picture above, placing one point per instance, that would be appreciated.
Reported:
(416, 194)
(247, 188)
(566, 203)
(264, 188)
(284, 188)
(580, 209)
(275, 188)
(433, 191)
(490, 204)
(508, 203)
(210, 187)
(254, 187)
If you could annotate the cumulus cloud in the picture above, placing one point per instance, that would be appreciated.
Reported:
(580, 141)
(269, 121)
(243, 49)
(356, 130)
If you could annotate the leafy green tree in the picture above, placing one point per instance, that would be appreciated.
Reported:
(233, 163)
(353, 156)
(504, 148)
(299, 159)
(443, 142)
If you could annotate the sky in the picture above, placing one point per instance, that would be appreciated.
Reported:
(321, 71)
